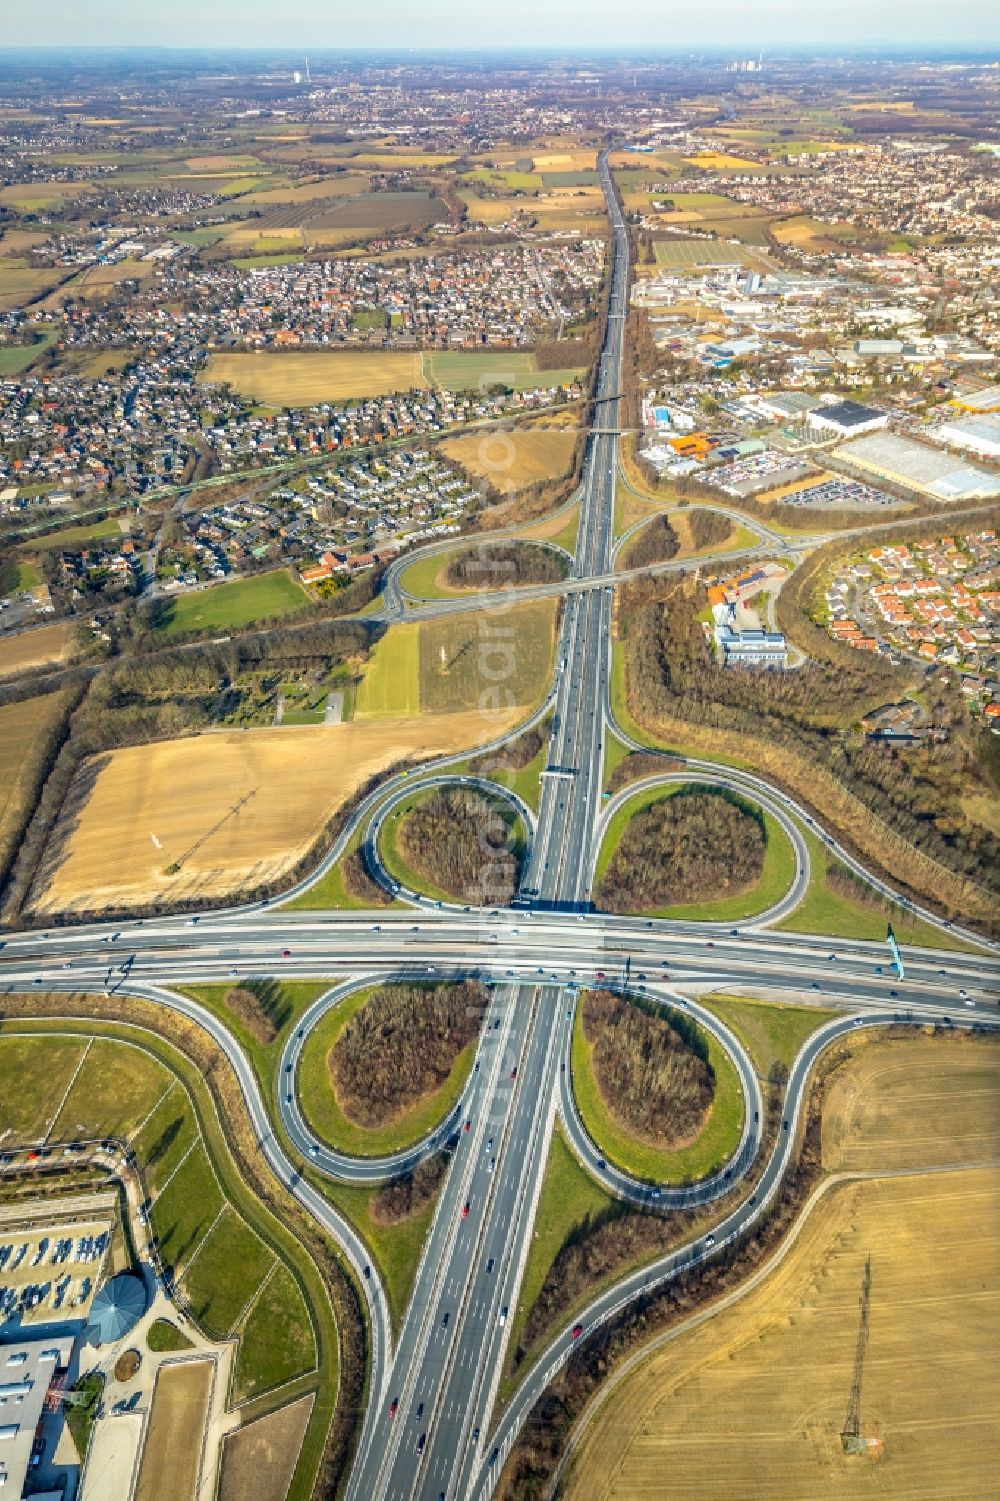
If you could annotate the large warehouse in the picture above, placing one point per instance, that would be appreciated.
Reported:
(916, 466)
(978, 435)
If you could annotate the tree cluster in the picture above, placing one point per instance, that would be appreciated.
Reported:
(401, 1045)
(652, 1081)
(260, 1006)
(460, 840)
(657, 542)
(405, 1196)
(692, 846)
(502, 565)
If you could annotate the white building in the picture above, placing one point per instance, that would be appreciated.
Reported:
(846, 419)
(978, 435)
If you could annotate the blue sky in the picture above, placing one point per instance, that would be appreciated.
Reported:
(508, 23)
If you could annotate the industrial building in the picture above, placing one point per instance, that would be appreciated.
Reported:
(28, 1369)
(846, 419)
(986, 399)
(751, 648)
(917, 466)
(979, 435)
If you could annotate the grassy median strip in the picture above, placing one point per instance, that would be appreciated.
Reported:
(713, 1145)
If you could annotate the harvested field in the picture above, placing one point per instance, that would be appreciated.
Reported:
(337, 185)
(22, 727)
(459, 370)
(259, 1460)
(182, 793)
(49, 643)
(682, 254)
(511, 460)
(171, 1456)
(299, 379)
(751, 1403)
(103, 277)
(379, 212)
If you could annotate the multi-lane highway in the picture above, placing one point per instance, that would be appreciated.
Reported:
(431, 1429)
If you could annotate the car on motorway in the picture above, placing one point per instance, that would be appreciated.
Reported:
(444, 1318)
(368, 1270)
(420, 1410)
(465, 1210)
(964, 994)
(421, 1441)
(513, 1072)
(576, 1331)
(393, 1407)
(286, 953)
(503, 1315)
(490, 1264)
(710, 1240)
(467, 1126)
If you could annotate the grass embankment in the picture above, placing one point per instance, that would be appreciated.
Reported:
(331, 890)
(714, 1144)
(771, 1032)
(323, 1111)
(775, 878)
(823, 910)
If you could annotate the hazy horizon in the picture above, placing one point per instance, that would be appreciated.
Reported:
(562, 25)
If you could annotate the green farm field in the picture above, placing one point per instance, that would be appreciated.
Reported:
(265, 596)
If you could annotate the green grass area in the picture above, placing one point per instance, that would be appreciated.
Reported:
(28, 576)
(775, 878)
(276, 1340)
(714, 1144)
(396, 1249)
(566, 537)
(130, 1074)
(226, 1273)
(692, 254)
(420, 578)
(79, 536)
(569, 1198)
(390, 687)
(460, 662)
(331, 892)
(17, 357)
(459, 370)
(823, 910)
(265, 596)
(615, 752)
(43, 1075)
(163, 1337)
(526, 781)
(771, 1032)
(322, 1110)
(464, 657)
(281, 258)
(80, 1416)
(293, 997)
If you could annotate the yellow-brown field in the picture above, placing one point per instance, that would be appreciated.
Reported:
(151, 804)
(511, 460)
(565, 161)
(21, 725)
(336, 186)
(301, 378)
(50, 643)
(750, 1403)
(109, 276)
(718, 161)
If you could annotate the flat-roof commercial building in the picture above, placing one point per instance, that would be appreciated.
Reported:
(27, 1371)
(978, 435)
(846, 418)
(987, 399)
(917, 466)
(755, 648)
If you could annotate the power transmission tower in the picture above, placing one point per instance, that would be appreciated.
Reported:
(851, 1435)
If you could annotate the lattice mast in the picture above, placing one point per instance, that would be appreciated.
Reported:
(851, 1434)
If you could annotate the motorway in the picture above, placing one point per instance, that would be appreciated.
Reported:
(431, 1429)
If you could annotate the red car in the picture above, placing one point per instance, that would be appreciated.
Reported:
(393, 1407)
(467, 1125)
(465, 1210)
(576, 1331)
(600, 974)
(286, 953)
(513, 1072)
